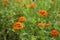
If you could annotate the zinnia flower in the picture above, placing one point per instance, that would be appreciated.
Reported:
(40, 24)
(54, 33)
(22, 19)
(47, 25)
(18, 26)
(32, 6)
(42, 13)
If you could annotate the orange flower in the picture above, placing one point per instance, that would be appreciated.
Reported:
(47, 25)
(5, 2)
(22, 19)
(18, 1)
(40, 25)
(54, 33)
(17, 26)
(42, 13)
(32, 6)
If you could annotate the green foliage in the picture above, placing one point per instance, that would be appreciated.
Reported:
(10, 14)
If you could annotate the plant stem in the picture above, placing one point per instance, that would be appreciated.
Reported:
(4, 37)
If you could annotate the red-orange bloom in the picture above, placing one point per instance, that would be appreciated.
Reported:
(22, 19)
(18, 26)
(54, 33)
(5, 2)
(32, 6)
(47, 25)
(40, 24)
(42, 13)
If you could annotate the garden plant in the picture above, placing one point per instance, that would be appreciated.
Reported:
(29, 19)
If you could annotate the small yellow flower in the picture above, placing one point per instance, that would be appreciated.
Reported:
(30, 0)
(24, 5)
(18, 1)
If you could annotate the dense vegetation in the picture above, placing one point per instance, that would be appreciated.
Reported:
(29, 19)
